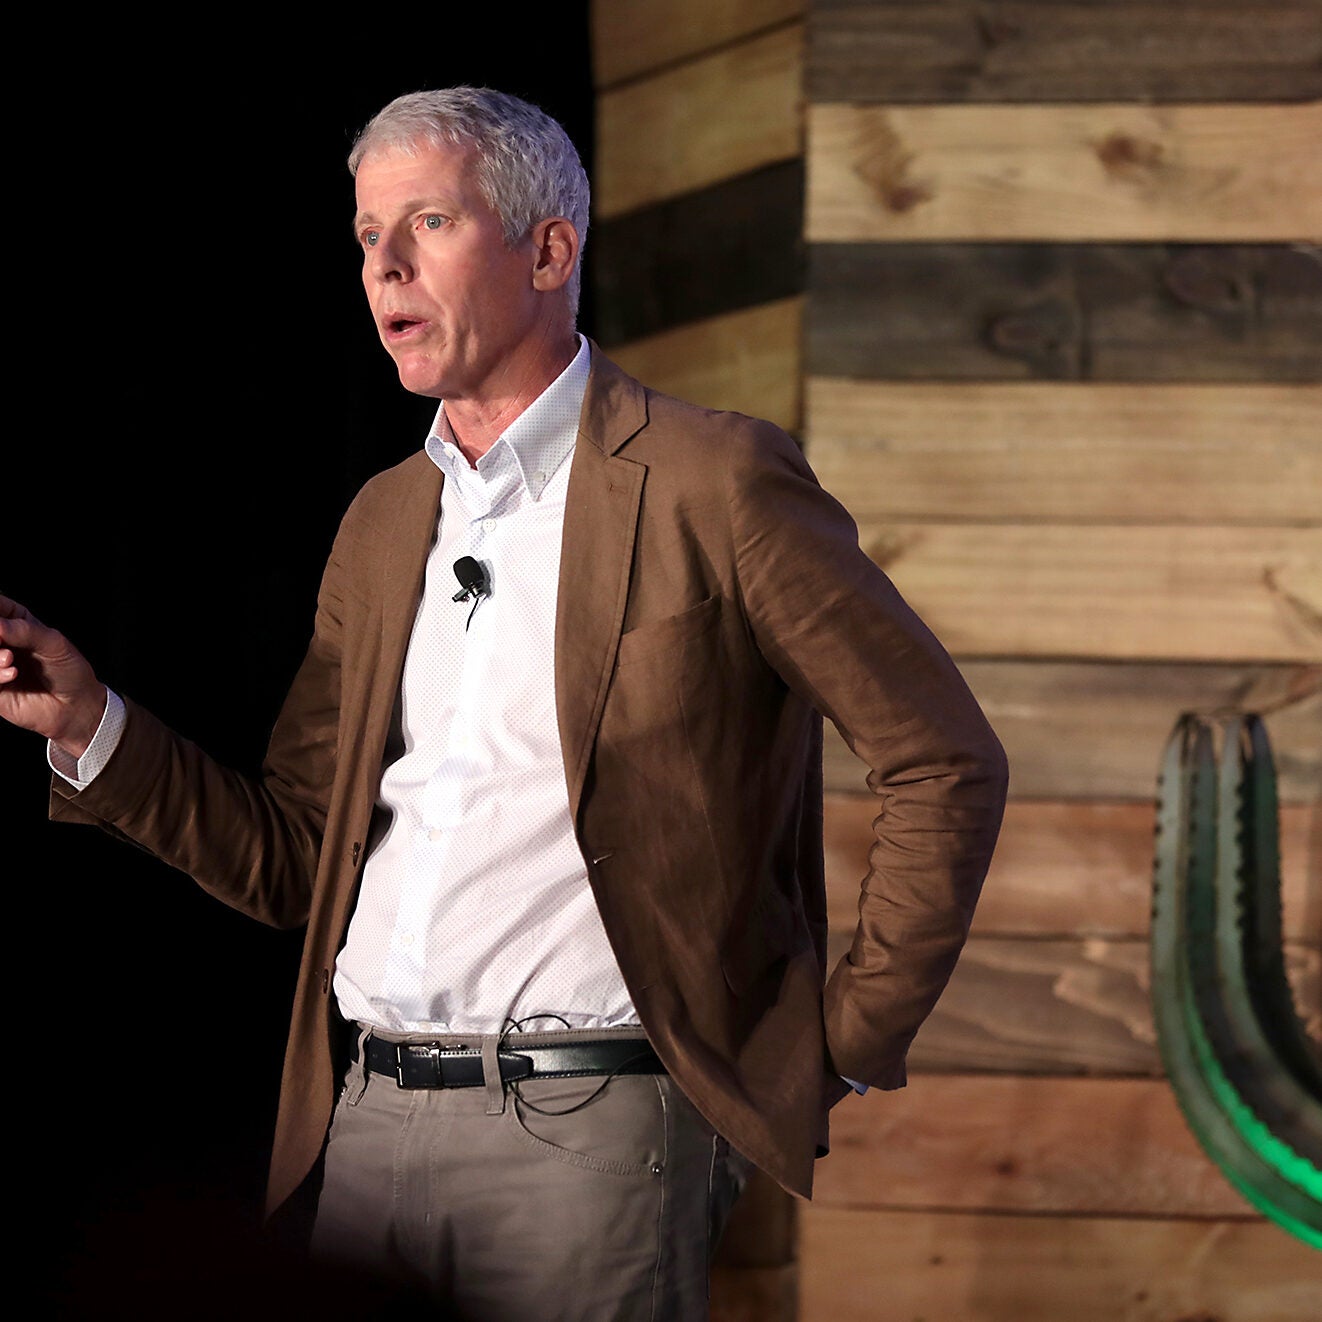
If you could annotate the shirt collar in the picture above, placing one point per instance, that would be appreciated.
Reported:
(540, 439)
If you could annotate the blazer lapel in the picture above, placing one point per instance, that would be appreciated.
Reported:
(402, 571)
(601, 520)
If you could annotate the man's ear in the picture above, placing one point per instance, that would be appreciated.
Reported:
(555, 245)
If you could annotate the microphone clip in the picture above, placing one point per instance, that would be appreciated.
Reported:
(474, 583)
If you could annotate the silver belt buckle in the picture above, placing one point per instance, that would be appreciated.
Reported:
(432, 1050)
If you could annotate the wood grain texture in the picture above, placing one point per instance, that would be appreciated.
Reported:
(1122, 592)
(1055, 452)
(1135, 312)
(731, 246)
(1030, 1006)
(629, 39)
(1045, 1007)
(1087, 730)
(1072, 868)
(978, 1143)
(967, 52)
(722, 115)
(749, 361)
(1222, 173)
(902, 1266)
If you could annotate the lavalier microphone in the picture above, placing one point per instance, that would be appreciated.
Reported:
(473, 580)
(474, 583)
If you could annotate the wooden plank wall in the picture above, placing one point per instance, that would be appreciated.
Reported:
(696, 254)
(1064, 340)
(1055, 337)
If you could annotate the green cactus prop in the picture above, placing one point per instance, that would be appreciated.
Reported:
(1246, 1076)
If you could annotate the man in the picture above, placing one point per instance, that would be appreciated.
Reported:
(556, 836)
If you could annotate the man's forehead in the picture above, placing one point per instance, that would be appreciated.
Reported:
(424, 169)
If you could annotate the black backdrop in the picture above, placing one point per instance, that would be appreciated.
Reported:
(196, 394)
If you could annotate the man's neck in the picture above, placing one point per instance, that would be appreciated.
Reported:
(477, 424)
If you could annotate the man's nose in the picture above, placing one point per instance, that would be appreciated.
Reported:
(389, 260)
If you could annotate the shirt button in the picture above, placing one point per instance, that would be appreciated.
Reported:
(489, 525)
(406, 940)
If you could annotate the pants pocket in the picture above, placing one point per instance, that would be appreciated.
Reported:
(619, 1129)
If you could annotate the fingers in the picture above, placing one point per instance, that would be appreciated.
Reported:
(15, 623)
(26, 642)
(46, 684)
(20, 631)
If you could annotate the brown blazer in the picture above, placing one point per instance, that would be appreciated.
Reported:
(712, 601)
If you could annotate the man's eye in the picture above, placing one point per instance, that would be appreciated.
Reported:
(433, 222)
(370, 238)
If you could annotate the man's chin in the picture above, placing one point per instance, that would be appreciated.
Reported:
(419, 379)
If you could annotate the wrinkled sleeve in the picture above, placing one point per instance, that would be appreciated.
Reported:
(836, 630)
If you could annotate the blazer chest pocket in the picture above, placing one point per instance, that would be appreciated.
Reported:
(673, 631)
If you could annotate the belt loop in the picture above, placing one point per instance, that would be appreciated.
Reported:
(491, 1075)
(355, 1081)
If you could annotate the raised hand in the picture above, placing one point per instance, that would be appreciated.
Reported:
(46, 684)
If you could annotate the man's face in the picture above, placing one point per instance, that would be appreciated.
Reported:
(454, 306)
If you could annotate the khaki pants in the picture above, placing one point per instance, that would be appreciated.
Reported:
(503, 1211)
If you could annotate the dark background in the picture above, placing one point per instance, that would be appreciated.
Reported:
(198, 392)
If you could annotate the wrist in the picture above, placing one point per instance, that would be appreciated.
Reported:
(84, 720)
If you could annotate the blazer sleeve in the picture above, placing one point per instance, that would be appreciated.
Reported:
(836, 630)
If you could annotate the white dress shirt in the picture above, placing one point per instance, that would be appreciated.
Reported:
(475, 907)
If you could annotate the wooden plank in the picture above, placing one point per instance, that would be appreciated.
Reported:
(1122, 592)
(1137, 312)
(630, 39)
(979, 1143)
(748, 361)
(1221, 173)
(1057, 452)
(1086, 730)
(1025, 1006)
(1080, 868)
(733, 245)
(902, 1266)
(722, 115)
(1152, 51)
(1041, 1007)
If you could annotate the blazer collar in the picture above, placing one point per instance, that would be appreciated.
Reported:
(615, 407)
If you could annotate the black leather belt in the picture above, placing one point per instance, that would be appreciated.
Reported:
(441, 1065)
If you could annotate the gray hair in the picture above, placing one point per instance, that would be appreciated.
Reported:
(527, 168)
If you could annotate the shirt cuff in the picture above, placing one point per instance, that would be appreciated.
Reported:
(80, 772)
